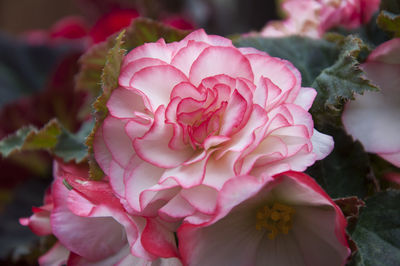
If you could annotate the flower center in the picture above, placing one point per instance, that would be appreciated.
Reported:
(276, 219)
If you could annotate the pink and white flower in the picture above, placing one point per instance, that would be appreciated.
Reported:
(190, 115)
(374, 118)
(313, 18)
(282, 220)
(93, 228)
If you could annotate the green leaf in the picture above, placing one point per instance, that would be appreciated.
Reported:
(53, 137)
(344, 172)
(109, 80)
(389, 22)
(338, 83)
(109, 77)
(72, 146)
(377, 233)
(30, 138)
(145, 30)
(14, 142)
(109, 58)
(309, 56)
(45, 138)
(92, 64)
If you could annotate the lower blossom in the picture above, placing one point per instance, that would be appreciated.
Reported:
(283, 220)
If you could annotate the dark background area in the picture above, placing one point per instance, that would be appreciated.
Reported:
(216, 16)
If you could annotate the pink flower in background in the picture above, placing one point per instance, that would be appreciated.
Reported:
(76, 30)
(190, 115)
(112, 22)
(70, 30)
(284, 220)
(179, 22)
(118, 19)
(374, 118)
(313, 18)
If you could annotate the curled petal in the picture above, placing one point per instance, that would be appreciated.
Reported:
(117, 141)
(212, 62)
(130, 69)
(102, 154)
(322, 144)
(185, 57)
(124, 103)
(157, 83)
(154, 146)
(201, 36)
(159, 240)
(279, 71)
(157, 50)
(306, 98)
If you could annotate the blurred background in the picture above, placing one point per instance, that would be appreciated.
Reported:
(40, 44)
(216, 16)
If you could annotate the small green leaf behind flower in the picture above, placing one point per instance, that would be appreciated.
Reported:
(338, 83)
(53, 137)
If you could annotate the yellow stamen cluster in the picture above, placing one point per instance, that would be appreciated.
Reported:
(277, 219)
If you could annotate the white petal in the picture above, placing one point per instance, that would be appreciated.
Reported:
(374, 120)
(322, 144)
